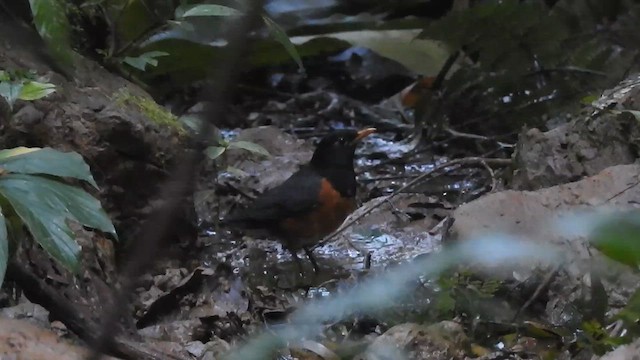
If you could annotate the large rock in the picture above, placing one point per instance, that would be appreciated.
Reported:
(584, 146)
(557, 218)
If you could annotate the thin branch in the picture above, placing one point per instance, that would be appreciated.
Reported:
(536, 294)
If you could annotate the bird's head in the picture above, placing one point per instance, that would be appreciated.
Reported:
(336, 150)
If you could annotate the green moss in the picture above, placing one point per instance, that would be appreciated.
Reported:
(149, 108)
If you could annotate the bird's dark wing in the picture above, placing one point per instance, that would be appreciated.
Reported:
(296, 196)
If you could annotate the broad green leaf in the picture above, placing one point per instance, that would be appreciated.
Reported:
(46, 161)
(421, 56)
(619, 239)
(209, 10)
(34, 90)
(4, 247)
(191, 122)
(53, 26)
(280, 35)
(236, 172)
(214, 152)
(16, 151)
(45, 206)
(148, 58)
(249, 146)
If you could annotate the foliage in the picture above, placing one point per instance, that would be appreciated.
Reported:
(222, 146)
(458, 291)
(148, 58)
(596, 338)
(522, 60)
(619, 239)
(50, 19)
(33, 195)
(187, 36)
(23, 86)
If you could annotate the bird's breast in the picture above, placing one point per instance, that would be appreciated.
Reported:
(311, 227)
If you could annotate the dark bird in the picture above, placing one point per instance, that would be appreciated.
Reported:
(314, 201)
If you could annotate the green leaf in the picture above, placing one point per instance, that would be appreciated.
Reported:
(619, 239)
(34, 90)
(209, 10)
(191, 122)
(445, 303)
(236, 172)
(4, 247)
(280, 35)
(249, 146)
(53, 26)
(46, 161)
(421, 56)
(148, 58)
(45, 206)
(214, 152)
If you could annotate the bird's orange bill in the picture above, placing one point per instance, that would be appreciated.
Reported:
(364, 133)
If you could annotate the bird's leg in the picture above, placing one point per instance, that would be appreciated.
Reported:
(295, 257)
(312, 258)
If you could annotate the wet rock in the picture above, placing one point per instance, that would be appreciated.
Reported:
(389, 233)
(584, 146)
(29, 311)
(546, 216)
(22, 340)
(444, 340)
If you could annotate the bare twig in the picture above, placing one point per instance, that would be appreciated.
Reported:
(175, 189)
(543, 285)
(463, 161)
(467, 135)
(491, 173)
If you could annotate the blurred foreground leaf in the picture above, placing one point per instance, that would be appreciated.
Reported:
(53, 26)
(619, 239)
